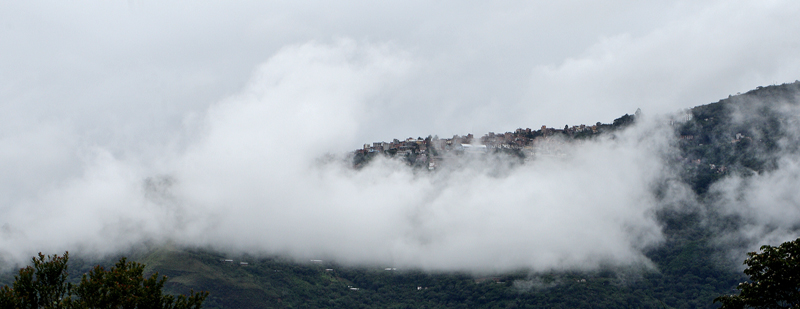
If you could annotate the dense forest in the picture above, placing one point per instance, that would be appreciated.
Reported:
(741, 135)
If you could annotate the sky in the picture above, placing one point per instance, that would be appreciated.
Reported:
(209, 124)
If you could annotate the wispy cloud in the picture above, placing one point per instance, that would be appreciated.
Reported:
(224, 125)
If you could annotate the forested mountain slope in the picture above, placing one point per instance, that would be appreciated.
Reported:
(743, 136)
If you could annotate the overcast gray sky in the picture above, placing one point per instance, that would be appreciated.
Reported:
(133, 70)
(97, 96)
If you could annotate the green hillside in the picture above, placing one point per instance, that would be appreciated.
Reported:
(741, 135)
(687, 280)
(738, 135)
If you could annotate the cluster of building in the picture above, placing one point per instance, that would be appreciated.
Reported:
(429, 152)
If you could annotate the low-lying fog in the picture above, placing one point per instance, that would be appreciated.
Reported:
(142, 126)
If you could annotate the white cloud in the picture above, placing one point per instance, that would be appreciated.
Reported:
(699, 58)
(270, 197)
(253, 182)
(98, 99)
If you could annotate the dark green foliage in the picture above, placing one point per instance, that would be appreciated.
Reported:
(688, 276)
(44, 285)
(124, 286)
(774, 279)
(623, 121)
(361, 159)
(740, 134)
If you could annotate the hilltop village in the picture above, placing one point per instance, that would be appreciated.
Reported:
(527, 143)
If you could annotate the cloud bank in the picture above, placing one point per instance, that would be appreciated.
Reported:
(257, 179)
(224, 125)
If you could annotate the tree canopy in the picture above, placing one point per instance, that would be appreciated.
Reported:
(44, 285)
(774, 279)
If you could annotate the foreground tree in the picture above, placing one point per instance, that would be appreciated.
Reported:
(44, 285)
(775, 279)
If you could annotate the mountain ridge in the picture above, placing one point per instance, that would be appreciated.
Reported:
(741, 136)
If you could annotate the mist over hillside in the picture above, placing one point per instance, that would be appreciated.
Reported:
(242, 188)
(645, 200)
(184, 135)
(755, 137)
(229, 125)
